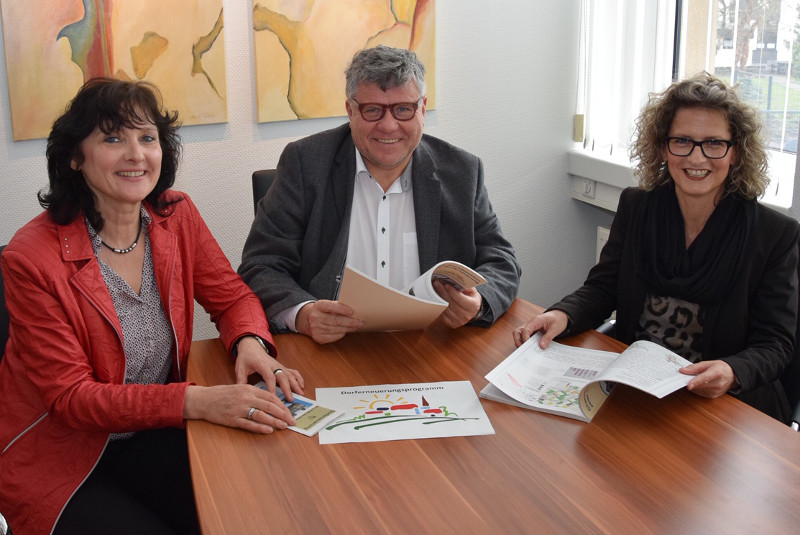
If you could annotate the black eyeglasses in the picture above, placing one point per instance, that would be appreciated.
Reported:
(402, 111)
(713, 149)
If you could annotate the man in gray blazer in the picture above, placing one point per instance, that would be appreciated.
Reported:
(378, 195)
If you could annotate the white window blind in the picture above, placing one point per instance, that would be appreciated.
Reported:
(629, 51)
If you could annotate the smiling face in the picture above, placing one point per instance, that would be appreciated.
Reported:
(386, 145)
(121, 167)
(696, 177)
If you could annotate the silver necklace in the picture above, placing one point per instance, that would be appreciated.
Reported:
(129, 249)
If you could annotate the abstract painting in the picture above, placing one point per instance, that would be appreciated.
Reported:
(53, 46)
(302, 48)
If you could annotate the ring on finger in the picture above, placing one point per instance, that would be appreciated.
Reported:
(250, 413)
(277, 371)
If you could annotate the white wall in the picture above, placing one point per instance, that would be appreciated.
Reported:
(506, 77)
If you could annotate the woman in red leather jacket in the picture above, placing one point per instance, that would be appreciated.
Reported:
(100, 289)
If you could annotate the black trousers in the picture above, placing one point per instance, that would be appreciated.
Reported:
(140, 485)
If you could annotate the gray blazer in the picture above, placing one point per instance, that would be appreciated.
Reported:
(297, 245)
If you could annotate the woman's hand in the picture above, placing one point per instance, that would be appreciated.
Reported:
(251, 358)
(231, 405)
(712, 378)
(551, 323)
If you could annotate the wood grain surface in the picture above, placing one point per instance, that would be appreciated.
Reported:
(682, 464)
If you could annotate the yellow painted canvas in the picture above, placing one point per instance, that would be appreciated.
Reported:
(53, 46)
(302, 48)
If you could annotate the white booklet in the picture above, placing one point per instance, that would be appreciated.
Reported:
(382, 308)
(574, 381)
(309, 416)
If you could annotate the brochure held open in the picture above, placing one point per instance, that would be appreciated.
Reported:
(382, 308)
(574, 382)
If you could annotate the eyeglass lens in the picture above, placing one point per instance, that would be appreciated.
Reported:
(402, 111)
(712, 148)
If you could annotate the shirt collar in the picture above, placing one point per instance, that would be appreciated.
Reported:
(403, 182)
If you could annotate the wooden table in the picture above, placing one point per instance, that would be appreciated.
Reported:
(682, 464)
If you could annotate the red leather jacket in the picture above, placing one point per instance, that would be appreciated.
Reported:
(61, 377)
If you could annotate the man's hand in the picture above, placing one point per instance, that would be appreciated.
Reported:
(326, 321)
(463, 304)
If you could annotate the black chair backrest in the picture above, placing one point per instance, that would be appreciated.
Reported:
(262, 180)
(3, 313)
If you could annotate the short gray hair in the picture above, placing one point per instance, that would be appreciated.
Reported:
(385, 66)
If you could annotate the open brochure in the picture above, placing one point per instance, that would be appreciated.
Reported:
(415, 307)
(574, 381)
(309, 416)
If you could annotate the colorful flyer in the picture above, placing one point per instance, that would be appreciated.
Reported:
(403, 411)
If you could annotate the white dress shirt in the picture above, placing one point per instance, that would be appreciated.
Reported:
(382, 241)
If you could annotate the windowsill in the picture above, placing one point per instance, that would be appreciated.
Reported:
(598, 180)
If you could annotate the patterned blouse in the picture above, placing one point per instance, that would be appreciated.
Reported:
(673, 323)
(147, 336)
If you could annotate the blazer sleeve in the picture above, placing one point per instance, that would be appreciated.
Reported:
(588, 306)
(494, 257)
(232, 305)
(770, 308)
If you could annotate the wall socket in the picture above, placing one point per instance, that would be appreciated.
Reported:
(602, 238)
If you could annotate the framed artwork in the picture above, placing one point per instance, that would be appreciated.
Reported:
(53, 46)
(302, 48)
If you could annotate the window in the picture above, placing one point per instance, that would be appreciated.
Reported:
(633, 48)
(619, 75)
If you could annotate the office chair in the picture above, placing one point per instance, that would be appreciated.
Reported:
(262, 180)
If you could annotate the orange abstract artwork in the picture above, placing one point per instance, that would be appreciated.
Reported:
(53, 46)
(302, 48)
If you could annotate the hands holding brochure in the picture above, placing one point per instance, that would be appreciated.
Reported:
(574, 382)
(451, 283)
(381, 308)
(712, 378)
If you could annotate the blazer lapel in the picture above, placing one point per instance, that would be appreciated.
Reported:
(427, 206)
(336, 229)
